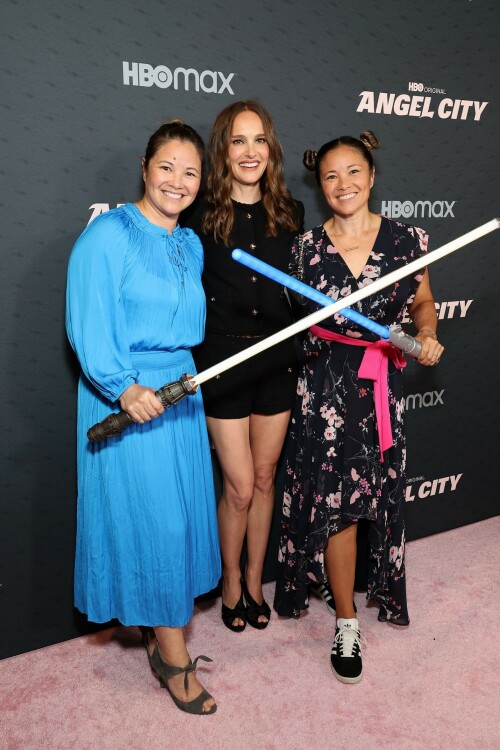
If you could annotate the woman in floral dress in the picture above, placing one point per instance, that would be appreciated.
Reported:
(343, 463)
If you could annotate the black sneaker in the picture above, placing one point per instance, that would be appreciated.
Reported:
(323, 591)
(346, 651)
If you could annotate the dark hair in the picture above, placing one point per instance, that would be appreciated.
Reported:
(365, 144)
(174, 130)
(278, 202)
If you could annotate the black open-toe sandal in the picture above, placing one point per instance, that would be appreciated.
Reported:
(166, 671)
(229, 615)
(254, 610)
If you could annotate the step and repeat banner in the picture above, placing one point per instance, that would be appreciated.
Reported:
(83, 87)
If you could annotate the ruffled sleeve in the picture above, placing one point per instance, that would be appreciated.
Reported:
(95, 318)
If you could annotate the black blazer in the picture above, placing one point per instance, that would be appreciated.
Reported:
(240, 301)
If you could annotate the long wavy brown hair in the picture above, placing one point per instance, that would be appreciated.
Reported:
(276, 197)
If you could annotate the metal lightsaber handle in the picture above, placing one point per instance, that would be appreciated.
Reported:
(408, 344)
(394, 334)
(169, 395)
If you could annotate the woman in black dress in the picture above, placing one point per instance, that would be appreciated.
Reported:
(248, 206)
(341, 467)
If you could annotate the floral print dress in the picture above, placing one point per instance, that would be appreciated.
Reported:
(334, 472)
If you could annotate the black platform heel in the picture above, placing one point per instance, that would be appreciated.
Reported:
(254, 610)
(229, 614)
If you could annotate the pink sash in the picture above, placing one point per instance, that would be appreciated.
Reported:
(374, 366)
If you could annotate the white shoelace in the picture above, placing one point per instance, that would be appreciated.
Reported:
(346, 639)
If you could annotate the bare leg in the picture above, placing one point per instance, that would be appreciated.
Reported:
(232, 443)
(340, 559)
(173, 651)
(267, 434)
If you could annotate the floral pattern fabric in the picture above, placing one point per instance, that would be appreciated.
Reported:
(334, 475)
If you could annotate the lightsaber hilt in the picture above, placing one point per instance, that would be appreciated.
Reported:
(169, 395)
(394, 334)
(408, 344)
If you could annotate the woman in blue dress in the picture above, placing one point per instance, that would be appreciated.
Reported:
(147, 541)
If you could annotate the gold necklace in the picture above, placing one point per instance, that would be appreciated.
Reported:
(344, 249)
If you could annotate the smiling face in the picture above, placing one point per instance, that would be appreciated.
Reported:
(346, 179)
(248, 152)
(172, 180)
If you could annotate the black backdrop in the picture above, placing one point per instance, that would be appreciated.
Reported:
(84, 85)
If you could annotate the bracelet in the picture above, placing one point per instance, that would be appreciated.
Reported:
(430, 332)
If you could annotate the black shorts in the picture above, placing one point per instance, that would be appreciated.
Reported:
(264, 384)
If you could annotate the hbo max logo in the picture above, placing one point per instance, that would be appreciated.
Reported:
(419, 400)
(424, 209)
(209, 81)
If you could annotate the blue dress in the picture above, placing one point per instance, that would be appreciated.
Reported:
(147, 541)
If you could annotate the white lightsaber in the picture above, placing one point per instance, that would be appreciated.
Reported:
(360, 294)
(171, 393)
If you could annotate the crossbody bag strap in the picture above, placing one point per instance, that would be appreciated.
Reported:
(300, 259)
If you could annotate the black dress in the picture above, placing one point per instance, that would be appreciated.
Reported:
(334, 474)
(244, 307)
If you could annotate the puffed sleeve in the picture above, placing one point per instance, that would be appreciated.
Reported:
(95, 318)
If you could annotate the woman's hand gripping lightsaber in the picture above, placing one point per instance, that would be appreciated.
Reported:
(117, 422)
(394, 334)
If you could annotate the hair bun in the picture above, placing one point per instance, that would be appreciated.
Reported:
(309, 159)
(175, 121)
(369, 140)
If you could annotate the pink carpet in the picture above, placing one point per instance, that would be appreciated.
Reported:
(432, 686)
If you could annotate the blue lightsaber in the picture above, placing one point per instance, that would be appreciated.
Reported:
(394, 334)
